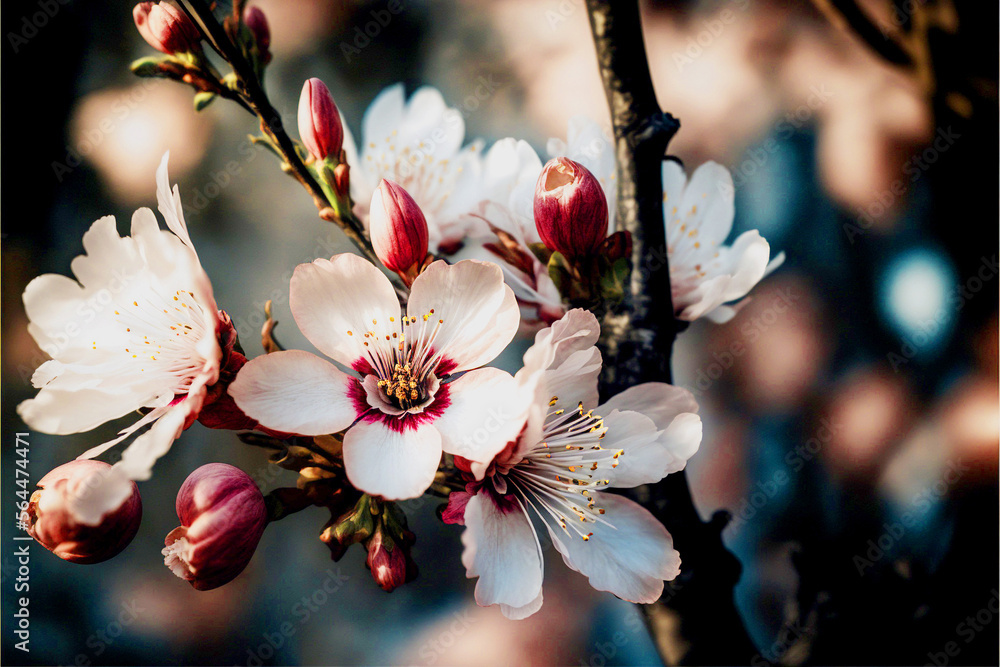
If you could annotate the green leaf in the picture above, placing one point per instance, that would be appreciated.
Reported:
(203, 99)
(148, 66)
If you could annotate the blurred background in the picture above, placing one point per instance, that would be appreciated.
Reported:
(857, 391)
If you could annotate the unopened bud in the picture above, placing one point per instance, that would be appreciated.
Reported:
(398, 229)
(319, 121)
(166, 28)
(355, 525)
(223, 516)
(50, 519)
(389, 562)
(255, 20)
(571, 211)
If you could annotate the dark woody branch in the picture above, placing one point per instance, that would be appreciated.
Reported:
(695, 621)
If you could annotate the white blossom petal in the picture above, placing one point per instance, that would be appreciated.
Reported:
(476, 312)
(394, 464)
(502, 549)
(486, 412)
(631, 557)
(295, 392)
(336, 302)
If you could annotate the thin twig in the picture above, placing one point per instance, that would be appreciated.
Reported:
(637, 340)
(270, 119)
(846, 13)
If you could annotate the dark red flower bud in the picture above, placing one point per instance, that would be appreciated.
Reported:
(50, 517)
(571, 211)
(166, 28)
(389, 561)
(223, 516)
(398, 229)
(319, 121)
(254, 19)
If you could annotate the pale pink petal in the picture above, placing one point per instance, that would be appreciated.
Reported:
(647, 454)
(169, 203)
(631, 557)
(137, 460)
(486, 412)
(748, 262)
(502, 549)
(743, 265)
(295, 392)
(577, 330)
(383, 115)
(396, 465)
(710, 194)
(659, 401)
(522, 612)
(336, 302)
(61, 412)
(672, 412)
(477, 313)
(571, 383)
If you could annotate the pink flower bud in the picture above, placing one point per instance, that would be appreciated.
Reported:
(319, 121)
(390, 565)
(398, 229)
(166, 28)
(223, 516)
(50, 519)
(257, 22)
(571, 211)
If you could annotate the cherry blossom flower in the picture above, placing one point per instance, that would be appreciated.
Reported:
(706, 275)
(507, 231)
(417, 143)
(568, 451)
(136, 330)
(510, 171)
(405, 408)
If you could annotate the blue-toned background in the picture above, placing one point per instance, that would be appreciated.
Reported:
(851, 408)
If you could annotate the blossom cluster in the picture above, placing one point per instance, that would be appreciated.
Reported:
(476, 248)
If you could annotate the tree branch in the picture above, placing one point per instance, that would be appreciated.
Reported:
(847, 15)
(270, 120)
(637, 339)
